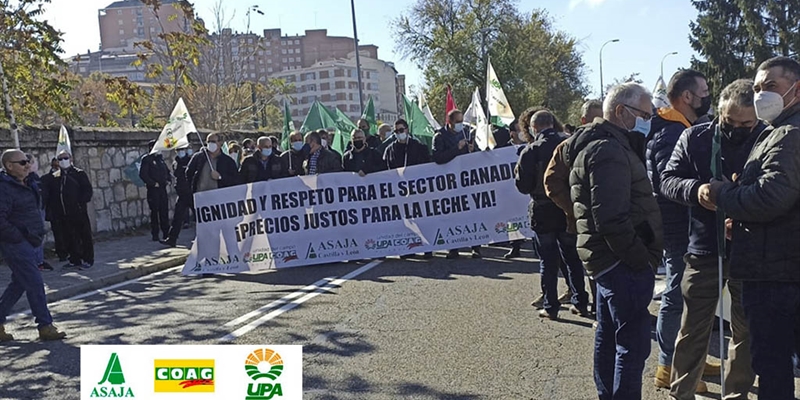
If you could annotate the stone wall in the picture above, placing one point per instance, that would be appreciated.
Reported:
(118, 205)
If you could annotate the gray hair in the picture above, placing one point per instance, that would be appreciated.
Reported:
(627, 94)
(739, 93)
(6, 158)
(263, 139)
(591, 105)
(542, 118)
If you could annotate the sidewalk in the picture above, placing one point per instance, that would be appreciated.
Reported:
(116, 260)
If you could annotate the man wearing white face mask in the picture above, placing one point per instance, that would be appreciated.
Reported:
(263, 165)
(221, 173)
(292, 159)
(619, 235)
(764, 203)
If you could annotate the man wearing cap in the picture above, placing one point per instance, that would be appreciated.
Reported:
(155, 174)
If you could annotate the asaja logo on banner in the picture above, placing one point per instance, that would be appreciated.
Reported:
(184, 376)
(332, 248)
(380, 244)
(263, 365)
(221, 263)
(461, 233)
(113, 382)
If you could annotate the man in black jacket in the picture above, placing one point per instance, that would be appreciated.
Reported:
(320, 160)
(262, 165)
(67, 194)
(553, 243)
(56, 225)
(361, 158)
(688, 169)
(292, 159)
(185, 199)
(221, 173)
(764, 204)
(155, 174)
(405, 151)
(372, 141)
(21, 233)
(454, 139)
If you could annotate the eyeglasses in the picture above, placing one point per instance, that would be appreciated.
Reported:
(21, 162)
(646, 115)
(400, 130)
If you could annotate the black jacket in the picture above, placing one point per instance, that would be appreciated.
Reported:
(395, 154)
(664, 134)
(445, 145)
(66, 192)
(182, 185)
(254, 170)
(373, 141)
(367, 160)
(545, 216)
(154, 171)
(690, 167)
(764, 203)
(328, 161)
(296, 164)
(617, 216)
(20, 212)
(225, 166)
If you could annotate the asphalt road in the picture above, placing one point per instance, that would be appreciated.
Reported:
(411, 329)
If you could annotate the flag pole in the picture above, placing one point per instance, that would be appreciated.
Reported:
(716, 170)
(202, 144)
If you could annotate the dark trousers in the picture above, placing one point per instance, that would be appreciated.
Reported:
(182, 207)
(773, 316)
(78, 233)
(59, 235)
(25, 279)
(622, 340)
(157, 200)
(555, 248)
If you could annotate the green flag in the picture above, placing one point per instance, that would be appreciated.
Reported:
(344, 128)
(418, 124)
(288, 126)
(369, 115)
(225, 148)
(318, 117)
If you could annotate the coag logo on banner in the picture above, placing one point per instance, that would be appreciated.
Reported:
(287, 254)
(184, 376)
(512, 226)
(332, 248)
(112, 385)
(264, 367)
(406, 243)
(221, 263)
(461, 233)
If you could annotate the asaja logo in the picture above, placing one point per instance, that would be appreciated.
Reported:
(263, 365)
(332, 248)
(113, 382)
(222, 262)
(461, 233)
(184, 376)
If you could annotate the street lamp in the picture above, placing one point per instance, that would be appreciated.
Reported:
(601, 65)
(358, 58)
(662, 62)
(252, 9)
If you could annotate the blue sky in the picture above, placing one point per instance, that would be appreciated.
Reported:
(647, 29)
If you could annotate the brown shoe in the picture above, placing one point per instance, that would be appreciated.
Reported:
(50, 332)
(662, 380)
(5, 337)
(711, 369)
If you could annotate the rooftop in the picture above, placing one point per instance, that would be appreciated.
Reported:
(134, 3)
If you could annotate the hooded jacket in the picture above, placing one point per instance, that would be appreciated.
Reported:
(66, 193)
(545, 216)
(20, 212)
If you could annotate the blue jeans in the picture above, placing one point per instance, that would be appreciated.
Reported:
(773, 314)
(622, 340)
(669, 315)
(25, 278)
(555, 248)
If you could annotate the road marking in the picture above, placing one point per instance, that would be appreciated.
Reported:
(98, 291)
(289, 305)
(277, 303)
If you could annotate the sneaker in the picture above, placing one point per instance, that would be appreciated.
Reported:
(45, 266)
(5, 337)
(452, 254)
(71, 267)
(50, 332)
(566, 298)
(428, 255)
(513, 253)
(538, 302)
(582, 311)
(595, 324)
(169, 243)
(545, 314)
(476, 253)
(87, 265)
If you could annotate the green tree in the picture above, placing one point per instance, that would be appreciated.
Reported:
(634, 77)
(733, 37)
(452, 40)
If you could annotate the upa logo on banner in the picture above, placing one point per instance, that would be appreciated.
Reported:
(112, 385)
(264, 367)
(385, 243)
(184, 376)
(512, 226)
(265, 255)
(461, 233)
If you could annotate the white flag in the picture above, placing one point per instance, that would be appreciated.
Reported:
(176, 130)
(423, 105)
(470, 115)
(63, 141)
(499, 109)
(660, 99)
(476, 117)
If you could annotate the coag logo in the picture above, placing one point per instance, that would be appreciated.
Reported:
(113, 382)
(288, 255)
(263, 365)
(184, 376)
(380, 244)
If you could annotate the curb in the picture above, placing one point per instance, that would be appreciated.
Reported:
(113, 279)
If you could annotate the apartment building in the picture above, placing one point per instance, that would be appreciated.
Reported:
(125, 22)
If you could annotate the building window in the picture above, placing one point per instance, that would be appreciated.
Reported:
(350, 96)
(324, 75)
(353, 108)
(152, 29)
(283, 43)
(325, 86)
(119, 12)
(250, 40)
(296, 42)
(140, 32)
(121, 22)
(339, 85)
(269, 61)
(261, 52)
(338, 73)
(291, 51)
(262, 79)
(283, 51)
(260, 61)
(269, 69)
(283, 59)
(268, 43)
(139, 12)
(122, 31)
(269, 52)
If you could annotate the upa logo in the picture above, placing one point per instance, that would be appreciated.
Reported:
(511, 226)
(113, 383)
(380, 244)
(184, 376)
(266, 366)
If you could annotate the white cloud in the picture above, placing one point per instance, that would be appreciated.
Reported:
(590, 3)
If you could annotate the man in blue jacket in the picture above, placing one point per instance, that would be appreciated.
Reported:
(21, 233)
(686, 173)
(689, 96)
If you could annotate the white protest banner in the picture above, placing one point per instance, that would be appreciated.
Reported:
(336, 217)
(175, 132)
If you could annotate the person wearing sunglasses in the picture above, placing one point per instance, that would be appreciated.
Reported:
(21, 234)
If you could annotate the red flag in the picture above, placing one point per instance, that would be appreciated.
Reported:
(451, 104)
